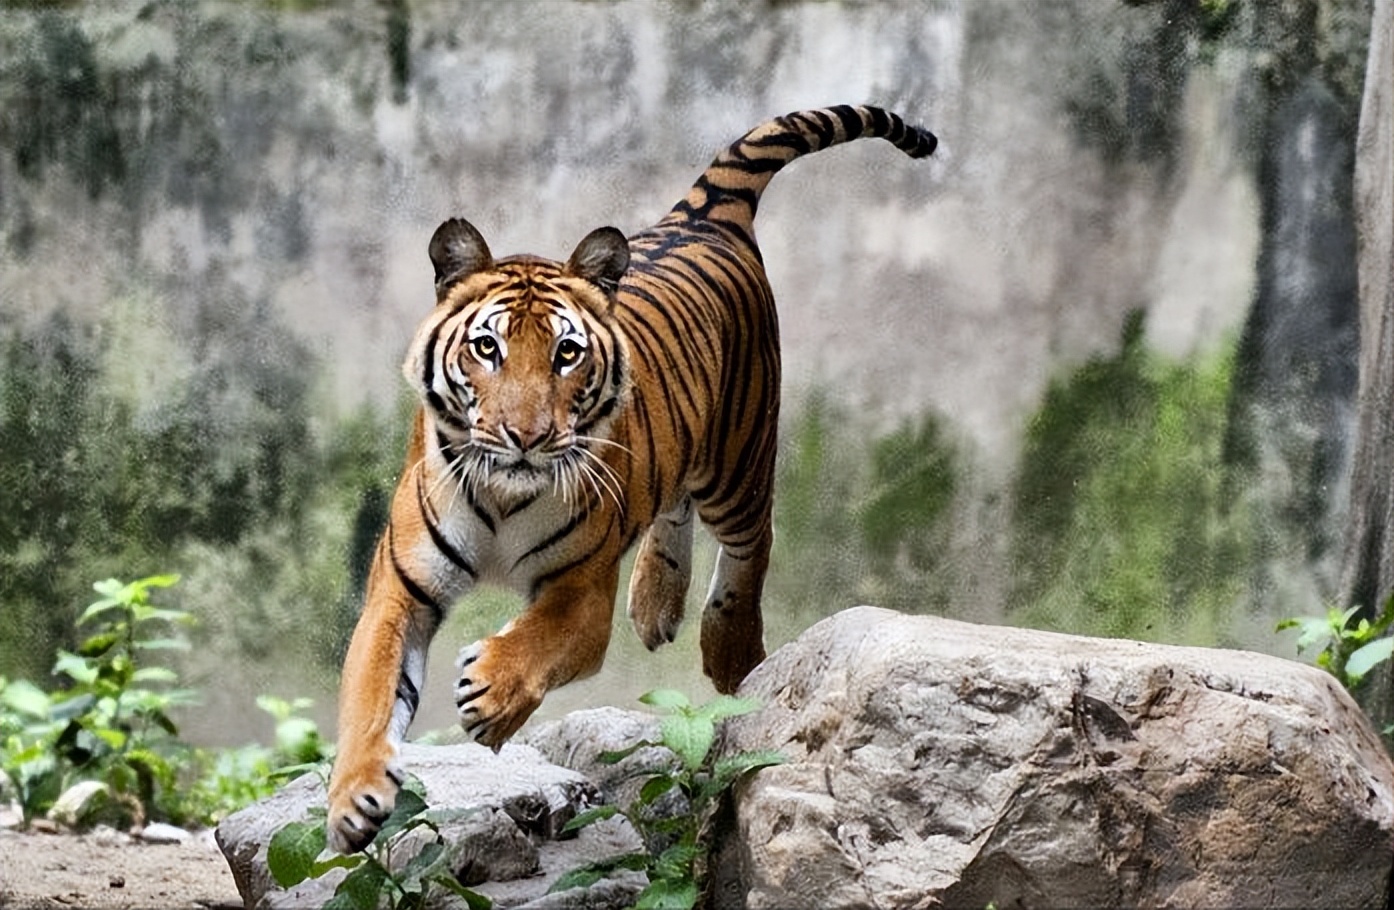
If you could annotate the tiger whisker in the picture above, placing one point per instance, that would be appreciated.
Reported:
(602, 441)
(600, 481)
(610, 472)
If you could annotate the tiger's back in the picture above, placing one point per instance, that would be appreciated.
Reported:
(568, 411)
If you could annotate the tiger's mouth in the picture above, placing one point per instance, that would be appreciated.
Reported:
(568, 467)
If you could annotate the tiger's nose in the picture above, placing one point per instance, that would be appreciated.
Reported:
(526, 438)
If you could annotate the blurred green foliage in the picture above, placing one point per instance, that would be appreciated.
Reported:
(230, 477)
(1121, 523)
(109, 730)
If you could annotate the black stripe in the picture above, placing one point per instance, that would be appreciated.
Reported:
(607, 407)
(415, 590)
(430, 519)
(482, 515)
(407, 692)
(880, 121)
(852, 124)
(542, 581)
(518, 506)
(555, 538)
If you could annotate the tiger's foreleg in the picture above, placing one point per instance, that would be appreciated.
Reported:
(378, 697)
(662, 573)
(560, 637)
(409, 586)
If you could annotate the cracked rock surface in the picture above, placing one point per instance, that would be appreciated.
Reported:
(934, 762)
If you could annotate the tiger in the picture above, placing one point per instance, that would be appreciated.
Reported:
(568, 410)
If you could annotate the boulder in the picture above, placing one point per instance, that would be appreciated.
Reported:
(511, 848)
(938, 763)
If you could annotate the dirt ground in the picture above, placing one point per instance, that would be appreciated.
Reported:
(107, 870)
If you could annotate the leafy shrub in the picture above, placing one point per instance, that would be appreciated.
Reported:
(1350, 648)
(297, 853)
(113, 723)
(674, 851)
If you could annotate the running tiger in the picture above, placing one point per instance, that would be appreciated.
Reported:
(568, 410)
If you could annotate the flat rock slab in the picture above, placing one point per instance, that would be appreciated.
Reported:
(939, 763)
(512, 845)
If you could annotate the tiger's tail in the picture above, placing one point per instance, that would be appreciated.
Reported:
(728, 192)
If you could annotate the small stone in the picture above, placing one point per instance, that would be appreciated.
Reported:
(78, 802)
(161, 833)
(116, 881)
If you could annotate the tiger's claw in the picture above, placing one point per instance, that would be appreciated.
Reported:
(360, 800)
(492, 704)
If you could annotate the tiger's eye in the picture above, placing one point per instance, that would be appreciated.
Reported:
(568, 352)
(485, 347)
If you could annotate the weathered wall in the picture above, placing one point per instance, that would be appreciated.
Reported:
(273, 160)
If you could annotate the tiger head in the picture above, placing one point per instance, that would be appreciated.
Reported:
(520, 366)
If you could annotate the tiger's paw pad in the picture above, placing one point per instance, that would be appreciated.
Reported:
(359, 806)
(492, 701)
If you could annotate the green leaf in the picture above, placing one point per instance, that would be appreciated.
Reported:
(154, 674)
(616, 756)
(99, 607)
(724, 706)
(25, 698)
(99, 644)
(655, 787)
(727, 769)
(675, 863)
(1367, 657)
(690, 737)
(589, 874)
(1313, 629)
(333, 861)
(409, 804)
(412, 879)
(473, 899)
(668, 894)
(590, 816)
(583, 877)
(292, 852)
(148, 614)
(361, 888)
(163, 644)
(109, 588)
(159, 581)
(78, 668)
(667, 699)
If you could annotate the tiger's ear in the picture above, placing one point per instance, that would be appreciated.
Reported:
(601, 257)
(457, 251)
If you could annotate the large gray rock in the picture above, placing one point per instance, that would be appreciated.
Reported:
(510, 848)
(934, 762)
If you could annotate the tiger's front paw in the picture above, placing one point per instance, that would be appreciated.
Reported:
(361, 796)
(493, 695)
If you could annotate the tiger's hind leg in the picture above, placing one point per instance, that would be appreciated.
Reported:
(662, 573)
(733, 640)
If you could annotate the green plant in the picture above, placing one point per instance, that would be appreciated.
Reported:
(29, 770)
(112, 724)
(380, 873)
(1349, 649)
(674, 853)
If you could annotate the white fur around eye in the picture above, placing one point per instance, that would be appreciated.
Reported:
(487, 348)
